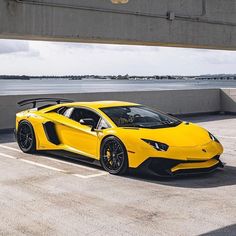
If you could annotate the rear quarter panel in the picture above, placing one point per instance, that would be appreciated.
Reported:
(36, 120)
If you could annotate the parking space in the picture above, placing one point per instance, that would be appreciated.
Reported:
(11, 150)
(48, 195)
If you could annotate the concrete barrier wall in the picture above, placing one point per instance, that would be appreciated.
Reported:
(228, 100)
(172, 101)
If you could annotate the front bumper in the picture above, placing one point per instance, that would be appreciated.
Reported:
(172, 167)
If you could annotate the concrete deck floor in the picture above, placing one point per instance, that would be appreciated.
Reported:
(42, 196)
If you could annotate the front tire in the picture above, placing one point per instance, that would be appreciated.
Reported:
(113, 156)
(26, 137)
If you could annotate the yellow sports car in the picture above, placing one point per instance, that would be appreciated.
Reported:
(120, 135)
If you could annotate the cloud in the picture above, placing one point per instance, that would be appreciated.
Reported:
(22, 48)
(221, 58)
(13, 46)
(40, 57)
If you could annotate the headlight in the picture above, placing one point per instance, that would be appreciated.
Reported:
(212, 137)
(157, 145)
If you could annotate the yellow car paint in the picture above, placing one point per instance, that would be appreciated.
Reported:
(196, 165)
(187, 141)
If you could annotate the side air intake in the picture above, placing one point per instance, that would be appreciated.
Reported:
(51, 133)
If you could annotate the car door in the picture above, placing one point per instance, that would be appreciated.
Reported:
(80, 138)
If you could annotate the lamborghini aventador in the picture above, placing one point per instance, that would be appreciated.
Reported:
(118, 135)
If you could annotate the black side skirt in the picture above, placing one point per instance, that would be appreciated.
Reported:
(73, 156)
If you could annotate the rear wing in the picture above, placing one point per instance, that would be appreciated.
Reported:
(35, 101)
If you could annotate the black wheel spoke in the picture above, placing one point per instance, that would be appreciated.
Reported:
(114, 164)
(25, 142)
(121, 153)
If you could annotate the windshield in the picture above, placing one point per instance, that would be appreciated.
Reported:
(139, 116)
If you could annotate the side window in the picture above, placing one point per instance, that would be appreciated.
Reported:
(65, 111)
(68, 112)
(102, 124)
(81, 113)
(77, 114)
(61, 110)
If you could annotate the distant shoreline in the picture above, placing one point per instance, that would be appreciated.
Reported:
(120, 77)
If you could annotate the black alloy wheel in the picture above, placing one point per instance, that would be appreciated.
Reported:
(26, 137)
(114, 156)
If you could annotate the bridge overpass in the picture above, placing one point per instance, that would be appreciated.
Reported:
(181, 23)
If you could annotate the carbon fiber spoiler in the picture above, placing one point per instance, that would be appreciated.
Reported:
(34, 101)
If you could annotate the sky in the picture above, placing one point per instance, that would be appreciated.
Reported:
(20, 57)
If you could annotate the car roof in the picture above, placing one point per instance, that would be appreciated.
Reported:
(103, 104)
(95, 105)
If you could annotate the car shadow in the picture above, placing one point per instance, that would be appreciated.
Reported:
(228, 230)
(218, 178)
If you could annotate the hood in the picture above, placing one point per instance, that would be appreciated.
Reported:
(183, 135)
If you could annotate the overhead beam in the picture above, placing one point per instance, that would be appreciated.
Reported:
(179, 23)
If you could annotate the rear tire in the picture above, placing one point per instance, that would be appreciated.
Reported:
(113, 156)
(26, 137)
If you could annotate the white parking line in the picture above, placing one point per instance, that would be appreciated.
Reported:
(44, 166)
(91, 176)
(102, 173)
(10, 148)
(8, 156)
(63, 171)
(55, 160)
(96, 175)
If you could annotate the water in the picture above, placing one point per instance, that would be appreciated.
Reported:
(52, 86)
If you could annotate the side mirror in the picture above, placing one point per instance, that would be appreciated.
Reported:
(88, 122)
